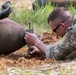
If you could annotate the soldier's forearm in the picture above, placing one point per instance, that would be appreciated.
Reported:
(41, 46)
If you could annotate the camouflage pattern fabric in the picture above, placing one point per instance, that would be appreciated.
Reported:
(65, 46)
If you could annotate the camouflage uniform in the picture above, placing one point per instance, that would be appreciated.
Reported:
(65, 46)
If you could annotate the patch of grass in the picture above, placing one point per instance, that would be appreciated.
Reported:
(72, 9)
(37, 18)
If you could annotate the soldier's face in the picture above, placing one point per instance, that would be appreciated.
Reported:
(58, 28)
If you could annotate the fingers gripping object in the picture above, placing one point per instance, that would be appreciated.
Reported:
(11, 36)
(31, 30)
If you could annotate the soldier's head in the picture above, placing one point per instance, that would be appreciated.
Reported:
(60, 19)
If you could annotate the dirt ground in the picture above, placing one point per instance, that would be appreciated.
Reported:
(21, 58)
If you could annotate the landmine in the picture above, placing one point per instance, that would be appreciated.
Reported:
(11, 36)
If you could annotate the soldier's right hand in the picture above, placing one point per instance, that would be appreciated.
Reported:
(33, 50)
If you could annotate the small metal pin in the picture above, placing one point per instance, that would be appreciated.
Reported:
(29, 25)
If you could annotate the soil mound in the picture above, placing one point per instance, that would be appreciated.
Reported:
(21, 58)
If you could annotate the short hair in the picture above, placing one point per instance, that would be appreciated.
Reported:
(57, 12)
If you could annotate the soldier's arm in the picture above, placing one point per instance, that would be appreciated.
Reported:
(64, 47)
(59, 50)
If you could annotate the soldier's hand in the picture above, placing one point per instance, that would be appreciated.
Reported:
(33, 50)
(31, 39)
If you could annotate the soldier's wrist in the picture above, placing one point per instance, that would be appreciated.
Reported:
(37, 43)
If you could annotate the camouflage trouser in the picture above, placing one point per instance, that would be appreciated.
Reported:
(64, 47)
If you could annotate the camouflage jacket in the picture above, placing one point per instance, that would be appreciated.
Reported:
(65, 46)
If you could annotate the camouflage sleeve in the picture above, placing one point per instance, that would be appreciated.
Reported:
(64, 47)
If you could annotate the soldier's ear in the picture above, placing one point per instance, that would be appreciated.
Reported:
(63, 25)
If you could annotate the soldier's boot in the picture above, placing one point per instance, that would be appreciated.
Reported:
(5, 13)
(6, 5)
(6, 10)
